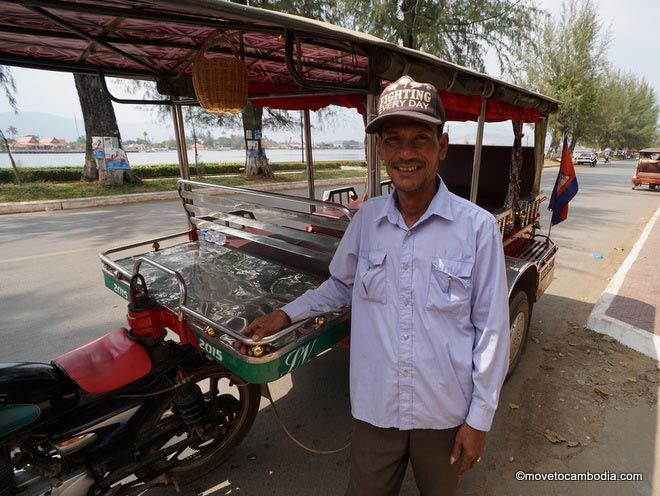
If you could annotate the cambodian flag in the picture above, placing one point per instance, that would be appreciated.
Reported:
(566, 187)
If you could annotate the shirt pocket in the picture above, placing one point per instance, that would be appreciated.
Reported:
(372, 277)
(450, 285)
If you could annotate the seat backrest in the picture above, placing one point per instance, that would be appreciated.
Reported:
(456, 172)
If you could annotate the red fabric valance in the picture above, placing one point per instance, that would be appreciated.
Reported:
(458, 108)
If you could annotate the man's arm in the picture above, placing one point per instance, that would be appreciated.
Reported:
(490, 351)
(334, 293)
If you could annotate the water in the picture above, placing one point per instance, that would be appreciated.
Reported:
(170, 157)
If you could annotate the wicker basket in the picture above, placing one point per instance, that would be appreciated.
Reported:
(221, 84)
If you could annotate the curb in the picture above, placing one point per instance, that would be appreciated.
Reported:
(633, 337)
(102, 201)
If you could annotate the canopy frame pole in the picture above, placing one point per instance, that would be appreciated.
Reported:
(180, 135)
(540, 130)
(373, 168)
(476, 163)
(309, 159)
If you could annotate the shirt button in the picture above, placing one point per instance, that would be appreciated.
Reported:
(405, 337)
(406, 266)
(405, 373)
(409, 233)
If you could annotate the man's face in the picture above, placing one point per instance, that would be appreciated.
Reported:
(411, 151)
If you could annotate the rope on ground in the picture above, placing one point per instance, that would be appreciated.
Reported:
(293, 438)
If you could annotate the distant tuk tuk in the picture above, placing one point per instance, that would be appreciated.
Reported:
(648, 169)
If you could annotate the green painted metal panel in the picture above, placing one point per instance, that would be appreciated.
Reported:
(120, 288)
(268, 371)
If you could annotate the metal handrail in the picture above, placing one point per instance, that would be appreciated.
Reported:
(111, 263)
(242, 338)
(276, 196)
(183, 292)
(183, 295)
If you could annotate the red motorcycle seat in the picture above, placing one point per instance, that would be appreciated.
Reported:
(108, 363)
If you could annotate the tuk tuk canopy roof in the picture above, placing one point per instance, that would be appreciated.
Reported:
(293, 63)
(650, 150)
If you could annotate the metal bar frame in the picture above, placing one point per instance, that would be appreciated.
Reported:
(183, 295)
(317, 85)
(540, 130)
(476, 163)
(182, 183)
(183, 291)
(180, 134)
(309, 159)
(373, 167)
(53, 18)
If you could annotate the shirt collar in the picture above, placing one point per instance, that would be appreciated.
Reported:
(440, 205)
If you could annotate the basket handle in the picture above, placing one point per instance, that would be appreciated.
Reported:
(210, 39)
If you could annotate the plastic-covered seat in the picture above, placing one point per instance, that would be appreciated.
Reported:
(108, 363)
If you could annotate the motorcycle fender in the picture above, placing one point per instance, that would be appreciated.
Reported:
(13, 417)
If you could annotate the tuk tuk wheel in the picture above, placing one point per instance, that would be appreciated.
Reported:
(519, 317)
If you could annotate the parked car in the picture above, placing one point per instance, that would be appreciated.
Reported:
(648, 168)
(585, 158)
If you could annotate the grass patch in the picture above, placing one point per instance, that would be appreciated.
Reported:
(60, 191)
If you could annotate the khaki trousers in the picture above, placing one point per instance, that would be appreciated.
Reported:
(379, 458)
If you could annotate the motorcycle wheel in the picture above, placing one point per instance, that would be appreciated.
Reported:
(7, 487)
(232, 405)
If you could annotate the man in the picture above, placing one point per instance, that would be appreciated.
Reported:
(424, 272)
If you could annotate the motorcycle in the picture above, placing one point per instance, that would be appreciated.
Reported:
(134, 409)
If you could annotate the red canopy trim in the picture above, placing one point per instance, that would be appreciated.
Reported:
(458, 108)
(467, 108)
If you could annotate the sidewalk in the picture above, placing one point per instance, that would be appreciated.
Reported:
(629, 309)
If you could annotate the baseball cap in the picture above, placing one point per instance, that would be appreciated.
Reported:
(408, 98)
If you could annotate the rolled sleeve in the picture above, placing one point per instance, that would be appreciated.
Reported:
(490, 317)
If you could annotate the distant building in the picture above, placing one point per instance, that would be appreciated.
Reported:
(32, 142)
(29, 142)
(52, 143)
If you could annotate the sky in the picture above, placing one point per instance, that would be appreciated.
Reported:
(634, 48)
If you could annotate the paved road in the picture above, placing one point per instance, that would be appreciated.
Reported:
(52, 299)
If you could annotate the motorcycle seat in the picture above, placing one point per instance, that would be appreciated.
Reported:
(107, 363)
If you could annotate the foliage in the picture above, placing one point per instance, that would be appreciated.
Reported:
(8, 86)
(461, 31)
(627, 114)
(569, 64)
(66, 174)
(52, 191)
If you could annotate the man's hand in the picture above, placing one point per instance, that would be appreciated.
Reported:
(263, 326)
(468, 447)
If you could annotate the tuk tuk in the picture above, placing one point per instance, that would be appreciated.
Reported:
(648, 169)
(246, 252)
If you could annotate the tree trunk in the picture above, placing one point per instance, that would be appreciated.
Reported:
(11, 158)
(409, 10)
(256, 162)
(100, 120)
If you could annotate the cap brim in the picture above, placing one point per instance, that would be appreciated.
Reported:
(376, 125)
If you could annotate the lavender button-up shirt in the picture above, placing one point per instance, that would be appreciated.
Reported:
(430, 318)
